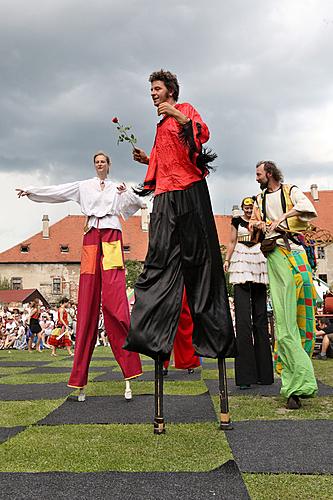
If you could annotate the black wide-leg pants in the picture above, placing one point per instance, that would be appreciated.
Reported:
(183, 250)
(254, 361)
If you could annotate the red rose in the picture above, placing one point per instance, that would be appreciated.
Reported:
(115, 120)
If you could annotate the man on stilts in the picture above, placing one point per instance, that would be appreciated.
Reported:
(183, 244)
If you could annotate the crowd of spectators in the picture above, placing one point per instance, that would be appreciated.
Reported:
(15, 326)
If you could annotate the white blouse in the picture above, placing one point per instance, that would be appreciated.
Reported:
(101, 206)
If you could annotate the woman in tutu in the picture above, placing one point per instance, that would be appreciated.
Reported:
(60, 336)
(248, 273)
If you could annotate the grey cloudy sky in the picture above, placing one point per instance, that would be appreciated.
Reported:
(258, 71)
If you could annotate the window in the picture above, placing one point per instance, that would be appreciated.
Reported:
(56, 286)
(321, 253)
(127, 248)
(16, 283)
(323, 277)
(64, 248)
(25, 248)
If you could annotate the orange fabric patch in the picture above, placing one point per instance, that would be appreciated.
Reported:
(88, 259)
(112, 255)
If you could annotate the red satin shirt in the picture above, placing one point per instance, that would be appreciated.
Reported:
(170, 166)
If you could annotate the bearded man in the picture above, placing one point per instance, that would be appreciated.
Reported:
(282, 212)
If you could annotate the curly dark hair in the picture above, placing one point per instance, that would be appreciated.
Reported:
(169, 79)
(271, 168)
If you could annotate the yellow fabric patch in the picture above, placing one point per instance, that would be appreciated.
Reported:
(112, 255)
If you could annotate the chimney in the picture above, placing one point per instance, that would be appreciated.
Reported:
(235, 212)
(144, 218)
(46, 227)
(314, 192)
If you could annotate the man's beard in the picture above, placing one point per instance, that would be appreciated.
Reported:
(263, 185)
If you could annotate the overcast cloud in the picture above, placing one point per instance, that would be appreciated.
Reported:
(258, 71)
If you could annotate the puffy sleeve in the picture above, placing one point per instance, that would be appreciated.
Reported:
(256, 215)
(55, 194)
(235, 221)
(195, 129)
(128, 203)
(302, 204)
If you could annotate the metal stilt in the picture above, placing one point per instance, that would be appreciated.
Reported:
(159, 425)
(225, 422)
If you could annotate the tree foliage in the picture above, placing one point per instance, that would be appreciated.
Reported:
(230, 288)
(133, 270)
(4, 283)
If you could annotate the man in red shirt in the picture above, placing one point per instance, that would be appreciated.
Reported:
(183, 243)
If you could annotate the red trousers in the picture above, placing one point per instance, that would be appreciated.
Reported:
(183, 350)
(102, 280)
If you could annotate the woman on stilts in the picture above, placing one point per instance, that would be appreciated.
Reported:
(102, 274)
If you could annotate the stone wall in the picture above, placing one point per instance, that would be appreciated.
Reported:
(41, 276)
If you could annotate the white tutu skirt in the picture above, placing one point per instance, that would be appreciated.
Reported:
(247, 264)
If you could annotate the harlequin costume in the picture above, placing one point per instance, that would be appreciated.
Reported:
(292, 291)
(183, 248)
(60, 329)
(102, 274)
(248, 274)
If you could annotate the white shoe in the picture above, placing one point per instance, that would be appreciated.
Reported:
(128, 394)
(81, 397)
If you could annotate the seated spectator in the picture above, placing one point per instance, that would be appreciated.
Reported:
(326, 331)
(2, 337)
(11, 337)
(21, 337)
(47, 326)
(10, 324)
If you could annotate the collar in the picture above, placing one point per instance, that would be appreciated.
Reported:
(275, 190)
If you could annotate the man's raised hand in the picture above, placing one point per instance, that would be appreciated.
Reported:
(165, 108)
(140, 156)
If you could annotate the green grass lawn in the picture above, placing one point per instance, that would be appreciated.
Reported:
(82, 448)
(41, 378)
(15, 413)
(184, 447)
(273, 408)
(12, 371)
(114, 388)
(213, 374)
(289, 486)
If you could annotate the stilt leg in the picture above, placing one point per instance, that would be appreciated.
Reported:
(225, 422)
(128, 391)
(159, 426)
(82, 396)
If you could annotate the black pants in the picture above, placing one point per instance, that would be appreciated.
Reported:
(183, 250)
(254, 361)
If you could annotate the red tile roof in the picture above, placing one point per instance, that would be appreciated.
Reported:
(8, 296)
(223, 226)
(135, 238)
(324, 207)
(15, 295)
(69, 231)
